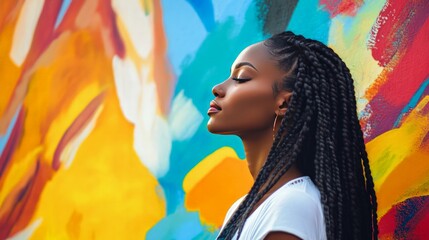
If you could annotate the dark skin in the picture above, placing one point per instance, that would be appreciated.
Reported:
(248, 110)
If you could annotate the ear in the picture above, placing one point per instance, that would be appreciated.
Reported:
(282, 102)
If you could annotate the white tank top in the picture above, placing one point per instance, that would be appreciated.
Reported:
(294, 208)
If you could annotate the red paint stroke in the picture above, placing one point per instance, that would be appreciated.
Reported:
(12, 142)
(14, 204)
(43, 36)
(344, 7)
(108, 18)
(395, 28)
(44, 32)
(20, 205)
(406, 220)
(387, 224)
(76, 127)
(425, 142)
(69, 18)
(108, 22)
(400, 85)
(163, 75)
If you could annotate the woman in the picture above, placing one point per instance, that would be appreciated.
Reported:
(291, 101)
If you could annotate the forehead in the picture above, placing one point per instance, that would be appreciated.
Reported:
(255, 53)
(258, 55)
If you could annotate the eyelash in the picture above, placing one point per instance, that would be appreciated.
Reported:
(241, 80)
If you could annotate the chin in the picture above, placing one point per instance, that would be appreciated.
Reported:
(214, 129)
(219, 130)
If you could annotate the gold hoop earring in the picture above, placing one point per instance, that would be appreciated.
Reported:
(274, 126)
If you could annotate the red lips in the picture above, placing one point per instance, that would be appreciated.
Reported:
(214, 108)
(214, 104)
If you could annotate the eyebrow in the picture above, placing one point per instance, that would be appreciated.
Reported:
(240, 64)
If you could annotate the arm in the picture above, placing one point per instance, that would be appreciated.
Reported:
(281, 236)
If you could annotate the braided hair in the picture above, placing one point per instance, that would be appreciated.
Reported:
(320, 133)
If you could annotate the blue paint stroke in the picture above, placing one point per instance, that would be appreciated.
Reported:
(184, 34)
(234, 9)
(348, 24)
(64, 6)
(5, 138)
(210, 66)
(412, 103)
(201, 58)
(204, 9)
(179, 225)
(189, 32)
(310, 20)
(408, 214)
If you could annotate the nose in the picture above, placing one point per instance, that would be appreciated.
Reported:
(218, 90)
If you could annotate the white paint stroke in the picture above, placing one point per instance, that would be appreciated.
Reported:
(128, 87)
(138, 100)
(24, 30)
(138, 24)
(184, 118)
(27, 232)
(152, 137)
(153, 145)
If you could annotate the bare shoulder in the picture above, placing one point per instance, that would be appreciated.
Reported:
(281, 236)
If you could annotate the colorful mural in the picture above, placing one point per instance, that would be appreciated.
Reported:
(103, 125)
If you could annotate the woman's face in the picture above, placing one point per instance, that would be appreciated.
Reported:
(245, 102)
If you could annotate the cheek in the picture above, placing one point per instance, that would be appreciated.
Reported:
(252, 106)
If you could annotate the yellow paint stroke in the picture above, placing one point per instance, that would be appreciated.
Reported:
(27, 232)
(106, 193)
(9, 12)
(215, 183)
(113, 192)
(69, 151)
(66, 116)
(18, 172)
(206, 166)
(399, 165)
(350, 43)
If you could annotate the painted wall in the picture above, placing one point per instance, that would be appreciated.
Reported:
(103, 111)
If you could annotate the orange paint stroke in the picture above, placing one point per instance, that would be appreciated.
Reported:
(163, 75)
(9, 10)
(43, 36)
(76, 127)
(227, 178)
(382, 78)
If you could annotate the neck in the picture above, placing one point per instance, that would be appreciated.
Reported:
(257, 145)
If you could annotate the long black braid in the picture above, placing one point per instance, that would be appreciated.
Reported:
(321, 134)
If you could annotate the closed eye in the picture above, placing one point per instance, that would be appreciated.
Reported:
(241, 80)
